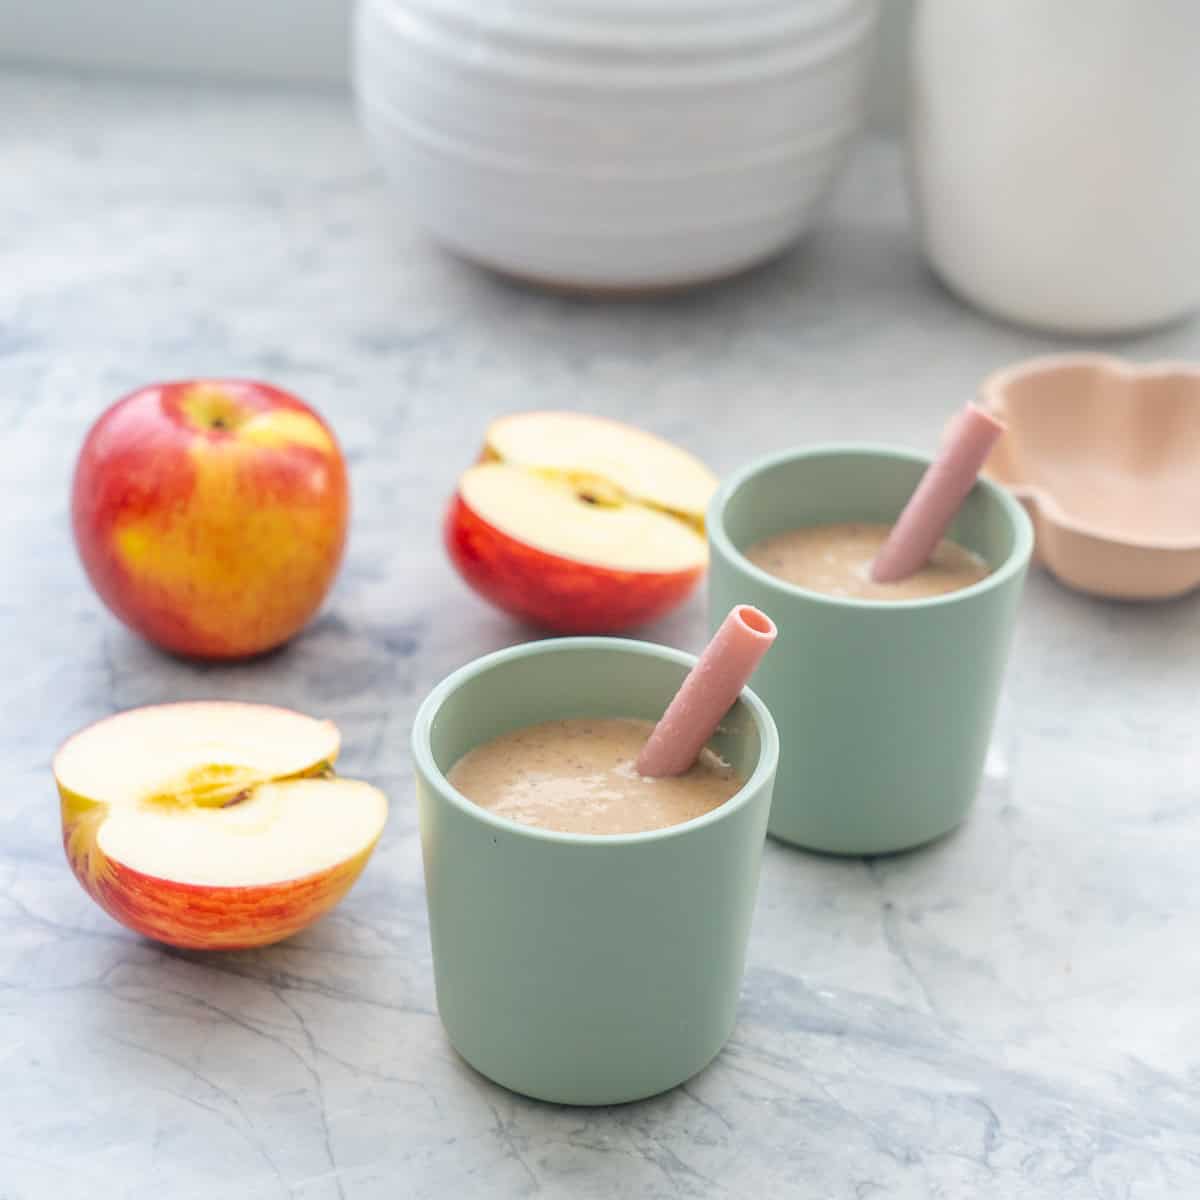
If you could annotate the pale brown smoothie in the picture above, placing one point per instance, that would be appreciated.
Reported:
(836, 560)
(578, 776)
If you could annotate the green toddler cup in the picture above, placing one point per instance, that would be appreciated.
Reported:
(884, 708)
(575, 968)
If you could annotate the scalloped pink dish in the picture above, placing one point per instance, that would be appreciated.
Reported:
(1105, 456)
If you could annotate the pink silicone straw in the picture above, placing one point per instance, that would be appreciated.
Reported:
(938, 497)
(708, 692)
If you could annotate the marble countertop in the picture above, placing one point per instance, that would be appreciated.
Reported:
(1010, 1013)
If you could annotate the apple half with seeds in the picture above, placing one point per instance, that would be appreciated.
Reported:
(214, 825)
(579, 524)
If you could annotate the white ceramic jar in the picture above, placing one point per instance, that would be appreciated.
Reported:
(1055, 157)
(612, 144)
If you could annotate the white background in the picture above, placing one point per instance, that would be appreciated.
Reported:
(296, 41)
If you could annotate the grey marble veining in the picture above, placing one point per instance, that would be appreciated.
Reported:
(1009, 1013)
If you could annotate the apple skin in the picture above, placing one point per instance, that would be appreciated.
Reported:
(211, 515)
(554, 593)
(191, 916)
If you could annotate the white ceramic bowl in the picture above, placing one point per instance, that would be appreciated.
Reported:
(612, 144)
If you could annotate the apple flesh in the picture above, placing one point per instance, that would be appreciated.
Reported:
(211, 515)
(579, 524)
(213, 825)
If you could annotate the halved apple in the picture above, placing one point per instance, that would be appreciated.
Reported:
(214, 825)
(580, 524)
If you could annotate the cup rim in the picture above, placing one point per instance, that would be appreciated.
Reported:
(1018, 556)
(423, 759)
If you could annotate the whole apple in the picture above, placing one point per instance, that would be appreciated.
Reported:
(211, 515)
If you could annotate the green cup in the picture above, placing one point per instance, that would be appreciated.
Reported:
(576, 968)
(885, 709)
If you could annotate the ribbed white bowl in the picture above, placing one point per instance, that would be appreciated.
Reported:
(612, 144)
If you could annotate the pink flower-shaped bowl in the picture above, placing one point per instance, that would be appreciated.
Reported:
(1105, 456)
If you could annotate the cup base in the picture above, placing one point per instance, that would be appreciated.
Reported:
(581, 1097)
(1060, 320)
(876, 849)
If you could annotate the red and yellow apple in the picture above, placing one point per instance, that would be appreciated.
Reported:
(211, 825)
(211, 515)
(579, 524)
